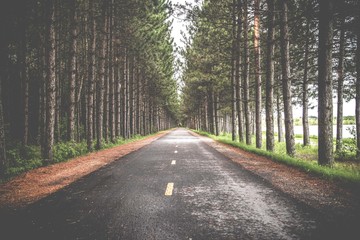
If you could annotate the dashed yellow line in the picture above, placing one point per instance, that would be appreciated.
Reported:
(169, 189)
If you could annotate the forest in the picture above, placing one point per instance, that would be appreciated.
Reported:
(82, 75)
(249, 63)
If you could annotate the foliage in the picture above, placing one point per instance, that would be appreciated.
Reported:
(23, 159)
(342, 172)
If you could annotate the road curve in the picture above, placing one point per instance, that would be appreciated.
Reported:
(177, 187)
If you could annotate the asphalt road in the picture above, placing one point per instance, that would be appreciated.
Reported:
(175, 188)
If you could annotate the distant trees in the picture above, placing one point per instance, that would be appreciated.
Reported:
(91, 71)
(283, 50)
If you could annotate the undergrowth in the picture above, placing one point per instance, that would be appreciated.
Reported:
(305, 159)
(24, 158)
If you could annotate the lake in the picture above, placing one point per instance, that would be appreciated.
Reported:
(313, 129)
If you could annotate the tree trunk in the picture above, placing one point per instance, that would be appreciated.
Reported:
(357, 107)
(340, 91)
(237, 72)
(90, 89)
(258, 124)
(286, 81)
(72, 73)
(50, 83)
(270, 78)
(101, 81)
(233, 80)
(305, 98)
(216, 114)
(246, 76)
(325, 104)
(279, 116)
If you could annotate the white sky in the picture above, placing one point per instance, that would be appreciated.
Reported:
(180, 25)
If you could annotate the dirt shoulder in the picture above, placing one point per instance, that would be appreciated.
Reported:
(325, 195)
(39, 183)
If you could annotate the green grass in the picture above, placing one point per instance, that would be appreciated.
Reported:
(25, 158)
(305, 159)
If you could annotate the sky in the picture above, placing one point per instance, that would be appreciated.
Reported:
(180, 25)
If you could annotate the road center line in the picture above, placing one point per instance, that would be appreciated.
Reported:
(173, 162)
(169, 189)
(176, 151)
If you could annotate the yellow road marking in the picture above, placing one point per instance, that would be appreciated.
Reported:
(169, 189)
(173, 162)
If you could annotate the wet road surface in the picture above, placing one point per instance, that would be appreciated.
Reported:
(177, 187)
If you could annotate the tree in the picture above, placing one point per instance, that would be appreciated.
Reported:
(246, 75)
(238, 70)
(101, 80)
(286, 80)
(270, 77)
(357, 107)
(90, 85)
(72, 72)
(325, 84)
(50, 83)
(257, 54)
(305, 85)
(340, 87)
(233, 73)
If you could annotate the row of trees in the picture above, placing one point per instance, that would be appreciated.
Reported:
(250, 59)
(76, 70)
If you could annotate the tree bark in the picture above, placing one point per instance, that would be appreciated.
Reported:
(340, 87)
(258, 107)
(101, 81)
(357, 103)
(237, 72)
(325, 105)
(50, 83)
(90, 89)
(270, 78)
(233, 80)
(305, 98)
(246, 76)
(72, 73)
(286, 81)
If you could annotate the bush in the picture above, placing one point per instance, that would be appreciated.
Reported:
(67, 150)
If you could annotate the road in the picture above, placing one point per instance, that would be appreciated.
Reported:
(177, 187)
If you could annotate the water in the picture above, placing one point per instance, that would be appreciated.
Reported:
(313, 130)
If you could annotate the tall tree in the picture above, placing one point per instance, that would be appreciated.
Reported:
(238, 71)
(90, 84)
(286, 80)
(258, 107)
(305, 85)
(72, 72)
(270, 77)
(325, 83)
(340, 86)
(357, 107)
(101, 80)
(50, 82)
(246, 76)
(233, 70)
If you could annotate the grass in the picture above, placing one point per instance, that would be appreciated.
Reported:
(305, 159)
(24, 158)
